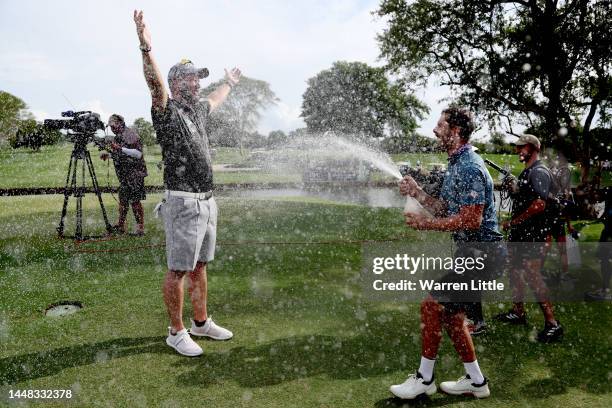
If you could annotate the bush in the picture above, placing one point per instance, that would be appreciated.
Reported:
(33, 135)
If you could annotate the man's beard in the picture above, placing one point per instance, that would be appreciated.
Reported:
(524, 158)
(188, 96)
(443, 143)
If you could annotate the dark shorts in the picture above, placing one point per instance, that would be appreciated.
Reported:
(557, 229)
(453, 300)
(527, 244)
(132, 190)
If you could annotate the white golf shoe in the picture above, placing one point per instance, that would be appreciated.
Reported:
(413, 387)
(183, 343)
(465, 386)
(210, 329)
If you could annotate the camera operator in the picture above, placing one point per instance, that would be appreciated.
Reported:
(529, 226)
(131, 170)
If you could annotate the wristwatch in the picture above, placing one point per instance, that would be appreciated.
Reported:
(144, 48)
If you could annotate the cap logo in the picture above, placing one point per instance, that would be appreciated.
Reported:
(185, 61)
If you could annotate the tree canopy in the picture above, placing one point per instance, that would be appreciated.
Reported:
(145, 131)
(542, 64)
(11, 108)
(354, 98)
(232, 122)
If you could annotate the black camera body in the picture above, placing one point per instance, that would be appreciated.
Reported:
(83, 125)
(80, 122)
(429, 180)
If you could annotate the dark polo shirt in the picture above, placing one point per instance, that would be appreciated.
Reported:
(181, 133)
(534, 183)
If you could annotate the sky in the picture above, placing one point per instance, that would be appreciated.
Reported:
(83, 55)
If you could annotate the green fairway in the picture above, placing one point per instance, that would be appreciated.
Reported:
(22, 168)
(304, 334)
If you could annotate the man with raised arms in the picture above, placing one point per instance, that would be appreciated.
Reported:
(189, 209)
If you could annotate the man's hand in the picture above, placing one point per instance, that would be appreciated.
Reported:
(104, 156)
(141, 28)
(509, 183)
(506, 225)
(415, 221)
(409, 187)
(115, 146)
(216, 97)
(233, 76)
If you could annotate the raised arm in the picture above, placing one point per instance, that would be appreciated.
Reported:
(216, 97)
(152, 74)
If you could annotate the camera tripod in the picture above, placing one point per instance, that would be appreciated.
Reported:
(80, 153)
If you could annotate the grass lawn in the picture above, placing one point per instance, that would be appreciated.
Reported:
(304, 334)
(48, 167)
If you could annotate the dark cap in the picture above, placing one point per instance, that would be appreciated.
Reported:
(527, 139)
(185, 68)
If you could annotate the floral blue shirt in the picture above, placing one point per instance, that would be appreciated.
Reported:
(467, 182)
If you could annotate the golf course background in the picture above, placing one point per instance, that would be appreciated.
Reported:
(285, 281)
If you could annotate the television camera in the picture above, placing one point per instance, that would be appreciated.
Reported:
(429, 180)
(81, 128)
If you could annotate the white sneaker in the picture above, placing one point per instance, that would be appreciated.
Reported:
(413, 387)
(465, 386)
(210, 329)
(183, 344)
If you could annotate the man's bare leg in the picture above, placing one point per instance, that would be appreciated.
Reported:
(535, 280)
(123, 210)
(460, 336)
(431, 327)
(173, 298)
(198, 287)
(139, 215)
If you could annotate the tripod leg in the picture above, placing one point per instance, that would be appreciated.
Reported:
(79, 212)
(96, 187)
(67, 193)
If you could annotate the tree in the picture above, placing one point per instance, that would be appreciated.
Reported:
(540, 64)
(415, 144)
(497, 144)
(276, 138)
(145, 131)
(237, 117)
(11, 112)
(33, 135)
(354, 98)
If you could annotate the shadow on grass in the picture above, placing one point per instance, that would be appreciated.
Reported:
(24, 367)
(420, 401)
(383, 348)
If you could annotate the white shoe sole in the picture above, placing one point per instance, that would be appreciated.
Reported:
(209, 336)
(477, 394)
(428, 391)
(185, 354)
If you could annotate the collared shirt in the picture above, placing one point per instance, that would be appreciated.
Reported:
(181, 132)
(468, 182)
